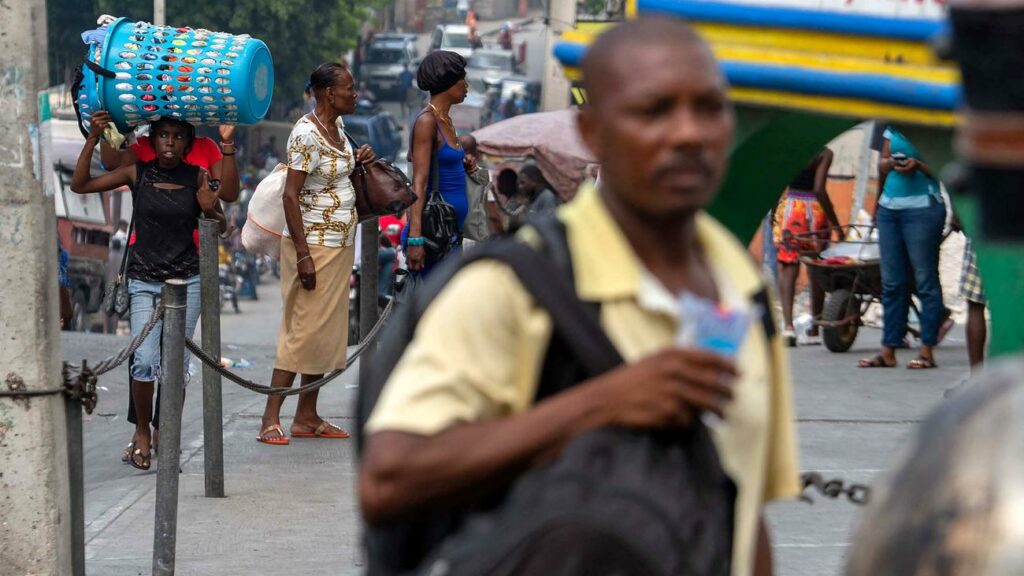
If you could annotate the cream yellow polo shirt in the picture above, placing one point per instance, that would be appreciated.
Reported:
(479, 349)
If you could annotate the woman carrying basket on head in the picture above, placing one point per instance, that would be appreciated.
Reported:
(317, 253)
(168, 197)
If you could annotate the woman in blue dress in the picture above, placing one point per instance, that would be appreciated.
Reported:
(443, 74)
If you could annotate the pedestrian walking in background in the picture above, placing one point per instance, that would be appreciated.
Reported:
(478, 182)
(972, 291)
(168, 197)
(317, 253)
(910, 216)
(458, 412)
(803, 210)
(434, 142)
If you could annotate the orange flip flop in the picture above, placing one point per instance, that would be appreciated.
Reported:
(322, 431)
(282, 440)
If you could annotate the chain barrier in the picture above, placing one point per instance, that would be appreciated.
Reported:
(214, 363)
(80, 383)
(858, 494)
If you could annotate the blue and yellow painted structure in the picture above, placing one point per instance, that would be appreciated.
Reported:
(800, 77)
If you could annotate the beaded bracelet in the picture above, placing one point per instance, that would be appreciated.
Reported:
(416, 241)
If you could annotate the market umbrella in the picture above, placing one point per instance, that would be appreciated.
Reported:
(551, 138)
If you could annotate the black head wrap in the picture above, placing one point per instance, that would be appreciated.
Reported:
(439, 71)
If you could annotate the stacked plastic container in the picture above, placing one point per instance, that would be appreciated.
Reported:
(198, 76)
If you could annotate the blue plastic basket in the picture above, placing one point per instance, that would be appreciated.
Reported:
(198, 76)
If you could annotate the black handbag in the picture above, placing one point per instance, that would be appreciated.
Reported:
(439, 224)
(115, 300)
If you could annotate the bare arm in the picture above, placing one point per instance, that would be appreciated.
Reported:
(209, 201)
(820, 189)
(114, 159)
(82, 181)
(424, 135)
(402, 472)
(885, 165)
(293, 218)
(226, 169)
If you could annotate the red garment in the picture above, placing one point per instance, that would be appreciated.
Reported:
(204, 153)
(394, 235)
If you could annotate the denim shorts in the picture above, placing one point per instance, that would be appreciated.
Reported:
(144, 296)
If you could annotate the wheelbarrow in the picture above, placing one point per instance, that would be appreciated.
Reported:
(850, 272)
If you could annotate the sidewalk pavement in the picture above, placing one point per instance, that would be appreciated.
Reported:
(291, 510)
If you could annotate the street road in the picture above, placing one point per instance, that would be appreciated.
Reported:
(291, 510)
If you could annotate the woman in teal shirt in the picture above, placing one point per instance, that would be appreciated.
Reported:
(910, 215)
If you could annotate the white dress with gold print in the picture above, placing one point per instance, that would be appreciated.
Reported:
(327, 200)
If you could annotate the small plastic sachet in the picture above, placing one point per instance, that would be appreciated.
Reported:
(706, 325)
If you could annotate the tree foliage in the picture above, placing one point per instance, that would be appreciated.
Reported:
(299, 33)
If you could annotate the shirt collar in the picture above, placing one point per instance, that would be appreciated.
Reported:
(607, 268)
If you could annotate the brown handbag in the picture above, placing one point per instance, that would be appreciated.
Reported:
(381, 188)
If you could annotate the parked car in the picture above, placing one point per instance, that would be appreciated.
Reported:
(378, 129)
(452, 37)
(386, 58)
(488, 67)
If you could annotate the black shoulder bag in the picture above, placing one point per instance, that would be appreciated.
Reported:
(439, 223)
(115, 299)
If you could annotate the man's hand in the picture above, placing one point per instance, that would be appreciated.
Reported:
(206, 196)
(667, 389)
(227, 134)
(307, 272)
(99, 122)
(470, 163)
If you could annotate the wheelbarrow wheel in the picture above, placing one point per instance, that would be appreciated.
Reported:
(838, 306)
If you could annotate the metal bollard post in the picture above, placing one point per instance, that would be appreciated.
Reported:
(172, 384)
(76, 478)
(213, 423)
(369, 278)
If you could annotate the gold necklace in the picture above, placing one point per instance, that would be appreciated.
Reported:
(326, 131)
(447, 121)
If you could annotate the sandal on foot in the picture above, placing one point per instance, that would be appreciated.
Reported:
(789, 337)
(921, 363)
(324, 430)
(877, 361)
(281, 440)
(139, 460)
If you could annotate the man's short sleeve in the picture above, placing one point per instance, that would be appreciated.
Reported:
(303, 151)
(476, 355)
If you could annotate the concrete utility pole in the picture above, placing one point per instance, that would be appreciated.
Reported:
(35, 531)
(159, 13)
(554, 86)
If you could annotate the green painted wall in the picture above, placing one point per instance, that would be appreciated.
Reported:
(771, 147)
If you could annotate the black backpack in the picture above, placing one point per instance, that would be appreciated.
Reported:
(618, 501)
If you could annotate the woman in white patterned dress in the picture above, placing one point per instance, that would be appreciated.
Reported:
(317, 252)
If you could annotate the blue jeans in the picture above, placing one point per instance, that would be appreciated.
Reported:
(909, 242)
(145, 363)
